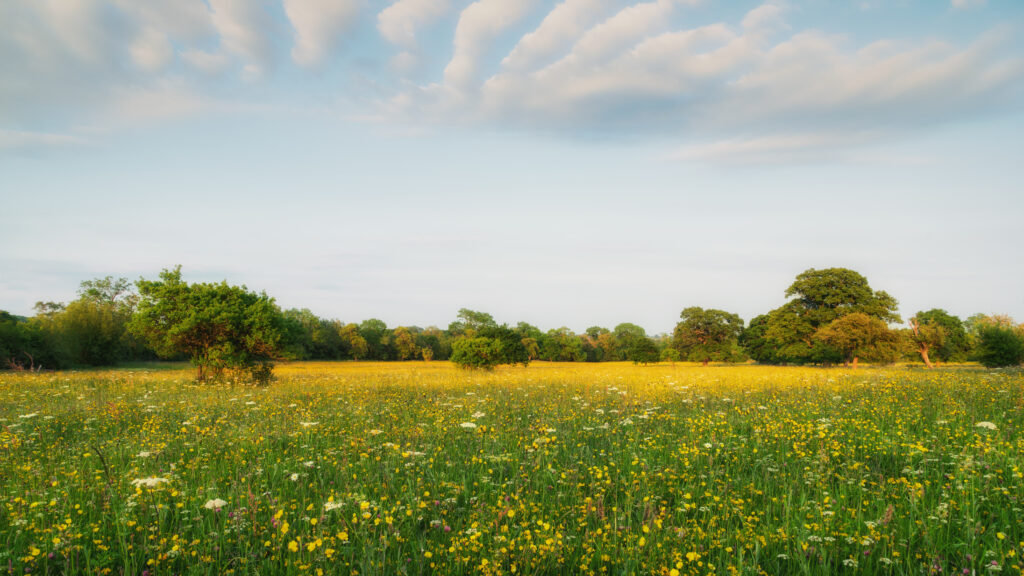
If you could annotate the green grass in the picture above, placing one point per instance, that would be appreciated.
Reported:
(569, 468)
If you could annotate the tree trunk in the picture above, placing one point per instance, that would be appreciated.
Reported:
(923, 350)
(854, 362)
(705, 362)
(199, 373)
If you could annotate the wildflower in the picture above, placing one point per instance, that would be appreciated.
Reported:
(150, 482)
(27, 416)
(143, 454)
(986, 425)
(479, 414)
(294, 477)
(215, 504)
(293, 546)
(330, 506)
(308, 424)
(468, 425)
(308, 464)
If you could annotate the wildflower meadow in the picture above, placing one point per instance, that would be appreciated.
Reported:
(422, 468)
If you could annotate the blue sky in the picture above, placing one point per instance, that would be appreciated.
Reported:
(565, 163)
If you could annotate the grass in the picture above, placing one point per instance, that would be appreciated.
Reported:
(413, 468)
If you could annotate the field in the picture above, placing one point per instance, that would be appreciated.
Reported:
(413, 468)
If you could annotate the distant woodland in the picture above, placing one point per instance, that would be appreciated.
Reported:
(832, 316)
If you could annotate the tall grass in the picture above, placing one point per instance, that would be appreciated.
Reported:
(413, 468)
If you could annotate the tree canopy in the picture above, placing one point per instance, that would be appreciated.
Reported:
(218, 326)
(706, 335)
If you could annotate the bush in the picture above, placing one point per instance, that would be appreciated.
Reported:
(1000, 347)
(476, 353)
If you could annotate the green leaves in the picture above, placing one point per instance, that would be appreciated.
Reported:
(220, 327)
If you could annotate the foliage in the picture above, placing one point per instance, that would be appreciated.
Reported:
(643, 350)
(1000, 346)
(218, 326)
(818, 297)
(857, 335)
(953, 346)
(476, 353)
(470, 322)
(705, 335)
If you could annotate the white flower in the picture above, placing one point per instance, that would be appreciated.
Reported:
(294, 477)
(149, 482)
(215, 504)
(308, 424)
(329, 506)
(468, 425)
(375, 431)
(143, 454)
(626, 421)
(27, 416)
(478, 414)
(309, 464)
(986, 425)
(708, 445)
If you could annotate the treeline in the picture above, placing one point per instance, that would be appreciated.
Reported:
(832, 316)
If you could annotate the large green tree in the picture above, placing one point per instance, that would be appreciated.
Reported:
(817, 298)
(218, 326)
(706, 335)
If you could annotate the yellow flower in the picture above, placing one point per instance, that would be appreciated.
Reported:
(1000, 535)
(692, 556)
(427, 554)
(673, 572)
(293, 546)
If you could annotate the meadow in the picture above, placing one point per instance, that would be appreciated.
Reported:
(421, 468)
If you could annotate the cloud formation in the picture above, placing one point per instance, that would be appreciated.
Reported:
(613, 67)
(319, 25)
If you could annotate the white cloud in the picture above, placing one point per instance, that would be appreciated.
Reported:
(399, 22)
(967, 3)
(478, 25)
(739, 87)
(245, 29)
(151, 51)
(556, 33)
(318, 25)
(210, 63)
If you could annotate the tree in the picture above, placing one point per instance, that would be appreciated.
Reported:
(642, 350)
(705, 335)
(470, 322)
(404, 343)
(562, 345)
(954, 346)
(1000, 346)
(824, 295)
(818, 297)
(218, 326)
(476, 353)
(857, 335)
(356, 345)
(511, 346)
(926, 338)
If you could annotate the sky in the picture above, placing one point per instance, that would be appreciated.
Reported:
(569, 163)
